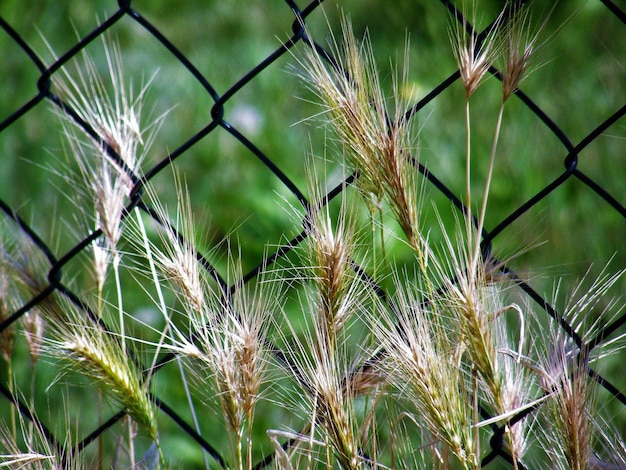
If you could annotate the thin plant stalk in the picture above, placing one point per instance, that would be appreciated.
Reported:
(11, 388)
(7, 337)
(163, 309)
(474, 59)
(120, 307)
(34, 330)
(468, 171)
(483, 209)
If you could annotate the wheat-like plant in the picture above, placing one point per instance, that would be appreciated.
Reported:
(420, 362)
(225, 339)
(99, 355)
(421, 373)
(377, 140)
(572, 434)
(106, 136)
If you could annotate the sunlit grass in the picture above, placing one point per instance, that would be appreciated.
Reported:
(357, 372)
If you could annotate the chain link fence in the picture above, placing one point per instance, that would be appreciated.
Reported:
(241, 157)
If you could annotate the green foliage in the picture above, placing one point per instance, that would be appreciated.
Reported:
(234, 197)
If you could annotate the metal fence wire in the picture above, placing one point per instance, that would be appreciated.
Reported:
(62, 266)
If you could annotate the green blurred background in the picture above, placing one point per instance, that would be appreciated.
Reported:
(580, 80)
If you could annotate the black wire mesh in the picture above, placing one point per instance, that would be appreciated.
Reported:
(216, 120)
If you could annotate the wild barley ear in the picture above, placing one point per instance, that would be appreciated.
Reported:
(229, 327)
(22, 265)
(233, 343)
(109, 159)
(521, 42)
(474, 55)
(331, 247)
(420, 346)
(30, 446)
(378, 141)
(89, 98)
(176, 257)
(564, 372)
(318, 358)
(102, 358)
(7, 335)
(611, 449)
(326, 400)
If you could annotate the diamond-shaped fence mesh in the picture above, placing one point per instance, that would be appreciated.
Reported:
(225, 79)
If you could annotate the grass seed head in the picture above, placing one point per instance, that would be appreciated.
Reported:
(113, 111)
(100, 355)
(564, 372)
(520, 45)
(572, 407)
(177, 256)
(473, 55)
(420, 360)
(331, 253)
(379, 142)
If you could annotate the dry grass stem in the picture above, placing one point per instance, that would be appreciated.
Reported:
(113, 111)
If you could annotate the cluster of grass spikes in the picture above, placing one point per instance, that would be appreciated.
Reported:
(422, 374)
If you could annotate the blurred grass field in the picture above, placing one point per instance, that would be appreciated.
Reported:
(580, 80)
